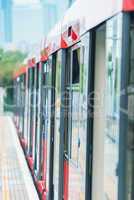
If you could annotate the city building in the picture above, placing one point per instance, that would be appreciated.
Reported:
(1, 24)
(6, 21)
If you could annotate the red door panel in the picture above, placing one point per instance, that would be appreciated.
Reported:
(66, 175)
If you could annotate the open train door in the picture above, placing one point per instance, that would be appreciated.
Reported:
(76, 125)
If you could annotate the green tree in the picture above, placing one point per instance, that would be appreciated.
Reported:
(9, 62)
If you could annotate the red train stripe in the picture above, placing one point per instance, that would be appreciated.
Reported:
(128, 5)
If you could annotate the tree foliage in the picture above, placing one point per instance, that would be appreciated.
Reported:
(9, 62)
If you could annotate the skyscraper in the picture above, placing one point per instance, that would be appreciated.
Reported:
(1, 24)
(6, 21)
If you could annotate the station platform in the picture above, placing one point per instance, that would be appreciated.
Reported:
(15, 179)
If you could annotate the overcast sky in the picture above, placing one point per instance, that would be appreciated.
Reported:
(25, 2)
(27, 22)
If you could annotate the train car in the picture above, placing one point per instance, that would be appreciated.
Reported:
(80, 129)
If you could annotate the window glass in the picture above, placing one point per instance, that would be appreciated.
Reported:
(131, 58)
(75, 123)
(29, 109)
(37, 129)
(130, 134)
(75, 66)
(77, 119)
(32, 110)
(57, 124)
(46, 120)
(113, 68)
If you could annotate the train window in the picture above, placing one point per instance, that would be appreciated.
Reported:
(75, 112)
(76, 66)
(37, 83)
(76, 118)
(44, 71)
(131, 71)
(57, 123)
(69, 31)
(130, 134)
(112, 105)
(32, 110)
(37, 119)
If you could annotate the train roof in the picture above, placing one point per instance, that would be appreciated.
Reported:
(81, 17)
(89, 13)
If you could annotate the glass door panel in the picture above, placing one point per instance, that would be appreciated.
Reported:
(31, 112)
(77, 88)
(36, 120)
(113, 87)
(48, 119)
(38, 110)
(28, 112)
(30, 82)
(45, 122)
(34, 112)
(130, 133)
(57, 125)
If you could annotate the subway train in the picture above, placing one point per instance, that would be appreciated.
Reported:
(74, 105)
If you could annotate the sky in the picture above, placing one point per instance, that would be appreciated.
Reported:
(29, 20)
(25, 2)
(27, 25)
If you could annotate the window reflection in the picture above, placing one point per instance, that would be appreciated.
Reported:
(130, 134)
(57, 124)
(113, 67)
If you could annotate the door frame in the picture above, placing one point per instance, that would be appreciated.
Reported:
(90, 109)
(52, 130)
(121, 171)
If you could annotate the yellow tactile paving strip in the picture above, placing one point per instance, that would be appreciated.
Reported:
(15, 180)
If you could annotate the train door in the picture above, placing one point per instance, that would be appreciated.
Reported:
(27, 111)
(36, 119)
(37, 125)
(45, 121)
(23, 103)
(76, 121)
(99, 113)
(31, 109)
(57, 125)
(113, 93)
(18, 102)
(43, 137)
(26, 107)
(128, 110)
(34, 112)
(49, 176)
(106, 116)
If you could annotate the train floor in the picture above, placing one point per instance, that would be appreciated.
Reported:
(15, 179)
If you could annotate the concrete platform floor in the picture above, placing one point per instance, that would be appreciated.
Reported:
(15, 179)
